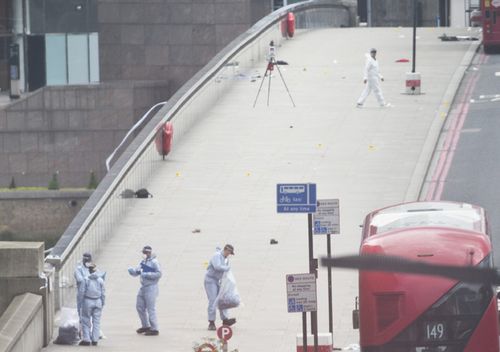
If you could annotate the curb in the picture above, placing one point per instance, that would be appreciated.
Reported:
(423, 167)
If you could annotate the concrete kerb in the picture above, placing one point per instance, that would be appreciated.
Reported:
(423, 167)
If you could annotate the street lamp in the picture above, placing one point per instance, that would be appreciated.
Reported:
(413, 78)
(414, 35)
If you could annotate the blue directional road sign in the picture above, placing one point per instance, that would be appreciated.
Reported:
(296, 197)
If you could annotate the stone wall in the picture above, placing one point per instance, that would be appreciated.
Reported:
(40, 216)
(70, 130)
(22, 325)
(392, 13)
(168, 39)
(22, 271)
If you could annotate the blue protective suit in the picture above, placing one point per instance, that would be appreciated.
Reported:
(81, 273)
(94, 295)
(150, 272)
(215, 270)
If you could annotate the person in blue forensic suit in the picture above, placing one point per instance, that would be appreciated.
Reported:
(215, 270)
(94, 295)
(150, 272)
(81, 273)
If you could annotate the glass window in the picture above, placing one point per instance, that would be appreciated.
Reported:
(78, 59)
(456, 215)
(94, 57)
(55, 51)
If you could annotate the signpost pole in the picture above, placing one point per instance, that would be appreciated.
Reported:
(414, 36)
(327, 222)
(301, 198)
(304, 331)
(312, 270)
(330, 301)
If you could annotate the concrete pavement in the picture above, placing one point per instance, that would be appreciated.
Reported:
(221, 179)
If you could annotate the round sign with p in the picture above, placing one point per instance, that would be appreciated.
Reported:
(224, 332)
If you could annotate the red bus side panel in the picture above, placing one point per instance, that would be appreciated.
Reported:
(485, 336)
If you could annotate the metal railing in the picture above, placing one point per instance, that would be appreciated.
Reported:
(96, 220)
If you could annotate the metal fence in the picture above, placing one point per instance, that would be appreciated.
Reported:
(96, 220)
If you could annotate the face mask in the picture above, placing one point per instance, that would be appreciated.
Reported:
(86, 264)
(144, 256)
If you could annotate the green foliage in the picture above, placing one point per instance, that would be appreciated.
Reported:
(93, 181)
(12, 183)
(54, 183)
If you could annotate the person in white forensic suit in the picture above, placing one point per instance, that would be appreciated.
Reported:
(372, 78)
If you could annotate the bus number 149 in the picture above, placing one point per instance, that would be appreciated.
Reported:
(434, 331)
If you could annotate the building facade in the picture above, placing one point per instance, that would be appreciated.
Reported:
(70, 42)
(89, 69)
(430, 13)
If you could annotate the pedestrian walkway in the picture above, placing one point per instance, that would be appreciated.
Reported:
(218, 186)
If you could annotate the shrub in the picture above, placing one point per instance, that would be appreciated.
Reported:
(12, 183)
(93, 181)
(54, 183)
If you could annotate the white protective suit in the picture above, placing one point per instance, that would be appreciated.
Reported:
(372, 76)
(150, 272)
(93, 294)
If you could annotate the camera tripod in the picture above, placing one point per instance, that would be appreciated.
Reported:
(269, 69)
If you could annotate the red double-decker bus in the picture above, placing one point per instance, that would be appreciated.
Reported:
(402, 312)
(491, 24)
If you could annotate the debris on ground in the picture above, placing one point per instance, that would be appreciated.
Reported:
(456, 38)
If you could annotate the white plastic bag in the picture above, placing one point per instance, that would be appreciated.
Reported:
(228, 296)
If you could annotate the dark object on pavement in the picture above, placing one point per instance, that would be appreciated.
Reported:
(68, 335)
(455, 38)
(273, 241)
(127, 193)
(143, 193)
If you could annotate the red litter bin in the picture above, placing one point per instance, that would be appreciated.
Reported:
(325, 343)
(290, 24)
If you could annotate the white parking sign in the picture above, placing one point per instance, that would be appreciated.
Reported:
(326, 219)
(301, 293)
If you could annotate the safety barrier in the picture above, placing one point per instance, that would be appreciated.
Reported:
(22, 325)
(96, 220)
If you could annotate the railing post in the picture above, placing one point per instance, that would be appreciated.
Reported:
(54, 265)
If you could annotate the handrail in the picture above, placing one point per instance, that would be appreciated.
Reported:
(132, 130)
(132, 154)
